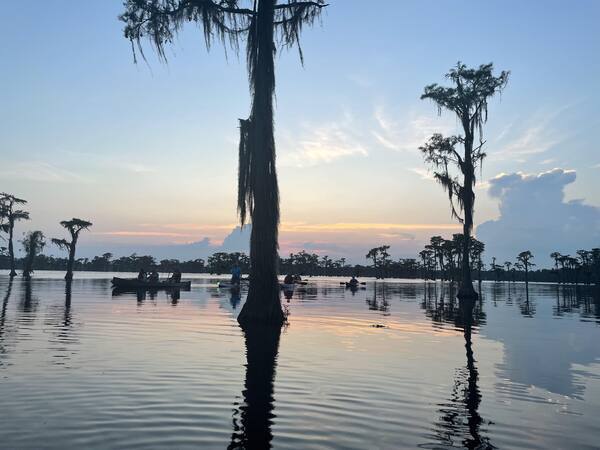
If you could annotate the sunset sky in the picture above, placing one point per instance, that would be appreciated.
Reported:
(148, 152)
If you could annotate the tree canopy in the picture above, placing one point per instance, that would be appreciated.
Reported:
(226, 21)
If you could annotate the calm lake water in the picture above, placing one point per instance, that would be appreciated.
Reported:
(386, 367)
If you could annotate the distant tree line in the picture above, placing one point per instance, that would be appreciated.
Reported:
(439, 260)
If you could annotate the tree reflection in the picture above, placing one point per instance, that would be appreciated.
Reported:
(252, 419)
(67, 319)
(379, 304)
(28, 304)
(62, 337)
(3, 315)
(442, 307)
(459, 416)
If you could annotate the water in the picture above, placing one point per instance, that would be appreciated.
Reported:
(386, 367)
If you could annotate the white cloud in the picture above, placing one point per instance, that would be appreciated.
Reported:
(138, 168)
(40, 171)
(537, 135)
(407, 134)
(322, 144)
(423, 173)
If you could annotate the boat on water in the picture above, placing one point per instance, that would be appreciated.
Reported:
(229, 285)
(134, 283)
(355, 286)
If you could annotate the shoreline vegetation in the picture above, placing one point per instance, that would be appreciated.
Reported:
(310, 264)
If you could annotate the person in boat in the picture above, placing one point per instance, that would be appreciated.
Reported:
(353, 281)
(289, 279)
(142, 275)
(153, 276)
(236, 274)
(176, 277)
(297, 278)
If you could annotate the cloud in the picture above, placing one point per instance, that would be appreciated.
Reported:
(302, 227)
(533, 137)
(423, 173)
(138, 168)
(236, 241)
(322, 144)
(39, 171)
(361, 80)
(129, 233)
(534, 216)
(409, 133)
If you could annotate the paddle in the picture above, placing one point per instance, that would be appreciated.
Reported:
(362, 283)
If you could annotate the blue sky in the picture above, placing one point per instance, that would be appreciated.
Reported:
(148, 152)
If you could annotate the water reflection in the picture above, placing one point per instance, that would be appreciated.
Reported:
(379, 301)
(577, 299)
(460, 423)
(60, 319)
(173, 295)
(442, 306)
(28, 305)
(252, 419)
(3, 313)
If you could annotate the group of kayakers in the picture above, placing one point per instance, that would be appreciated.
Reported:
(153, 277)
(236, 277)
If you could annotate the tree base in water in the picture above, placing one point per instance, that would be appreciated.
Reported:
(466, 292)
(264, 309)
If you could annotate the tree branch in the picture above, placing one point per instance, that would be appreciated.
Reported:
(304, 4)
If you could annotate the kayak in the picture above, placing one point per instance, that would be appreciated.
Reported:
(134, 283)
(354, 286)
(287, 287)
(228, 285)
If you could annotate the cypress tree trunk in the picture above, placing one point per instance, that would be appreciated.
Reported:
(11, 251)
(263, 304)
(466, 288)
(69, 275)
(28, 268)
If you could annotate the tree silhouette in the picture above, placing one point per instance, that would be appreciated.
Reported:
(556, 257)
(477, 249)
(74, 226)
(261, 26)
(468, 99)
(428, 261)
(381, 260)
(8, 203)
(435, 244)
(372, 255)
(524, 259)
(33, 243)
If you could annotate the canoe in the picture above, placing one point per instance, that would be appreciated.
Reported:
(228, 285)
(134, 283)
(347, 284)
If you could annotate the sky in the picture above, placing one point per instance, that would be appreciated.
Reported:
(148, 152)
